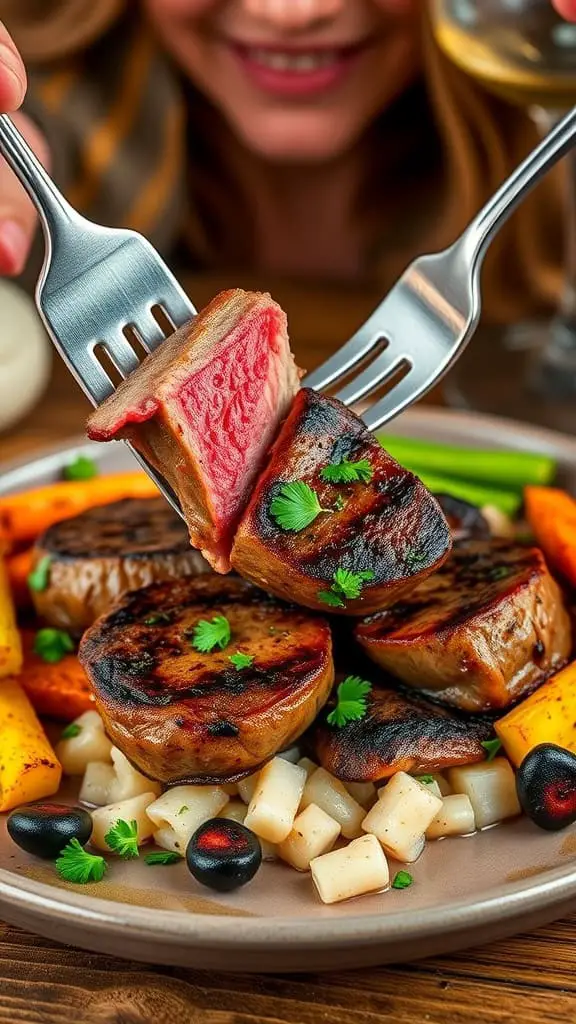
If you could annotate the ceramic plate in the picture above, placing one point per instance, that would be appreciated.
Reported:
(466, 891)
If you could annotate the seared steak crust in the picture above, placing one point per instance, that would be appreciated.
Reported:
(98, 555)
(181, 716)
(485, 630)
(390, 526)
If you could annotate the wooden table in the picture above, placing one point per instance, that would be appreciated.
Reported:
(530, 979)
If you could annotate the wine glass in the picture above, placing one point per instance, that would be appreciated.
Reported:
(523, 51)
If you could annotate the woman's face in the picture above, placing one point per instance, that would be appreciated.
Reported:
(297, 80)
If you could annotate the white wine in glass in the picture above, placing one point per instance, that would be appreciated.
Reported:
(523, 52)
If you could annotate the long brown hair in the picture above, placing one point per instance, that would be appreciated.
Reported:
(472, 138)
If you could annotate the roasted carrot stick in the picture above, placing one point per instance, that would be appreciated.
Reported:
(552, 517)
(18, 568)
(24, 516)
(29, 768)
(58, 690)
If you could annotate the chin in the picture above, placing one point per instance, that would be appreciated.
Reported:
(297, 138)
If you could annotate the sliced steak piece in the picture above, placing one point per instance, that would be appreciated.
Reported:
(387, 526)
(398, 734)
(205, 406)
(466, 521)
(98, 555)
(181, 716)
(487, 628)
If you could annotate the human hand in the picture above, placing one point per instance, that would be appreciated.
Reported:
(17, 214)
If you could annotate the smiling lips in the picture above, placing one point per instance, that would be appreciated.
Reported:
(295, 72)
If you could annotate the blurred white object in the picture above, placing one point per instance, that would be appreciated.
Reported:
(25, 354)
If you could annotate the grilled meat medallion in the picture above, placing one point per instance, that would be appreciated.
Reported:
(181, 716)
(389, 526)
(204, 408)
(485, 630)
(103, 552)
(398, 733)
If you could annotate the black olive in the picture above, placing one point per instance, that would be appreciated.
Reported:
(223, 854)
(546, 786)
(45, 829)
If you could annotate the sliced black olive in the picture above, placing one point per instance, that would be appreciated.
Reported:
(546, 785)
(45, 829)
(223, 854)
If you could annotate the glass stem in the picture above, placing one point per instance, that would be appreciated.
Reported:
(568, 299)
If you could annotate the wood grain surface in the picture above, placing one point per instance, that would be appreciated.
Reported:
(527, 980)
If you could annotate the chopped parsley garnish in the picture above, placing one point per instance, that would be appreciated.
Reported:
(82, 468)
(162, 857)
(345, 585)
(71, 731)
(53, 644)
(339, 503)
(158, 619)
(183, 809)
(295, 506)
(499, 572)
(75, 864)
(415, 559)
(346, 472)
(39, 578)
(426, 780)
(123, 838)
(240, 660)
(402, 880)
(492, 747)
(351, 696)
(207, 636)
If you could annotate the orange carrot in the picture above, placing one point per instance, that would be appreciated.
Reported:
(18, 568)
(58, 690)
(551, 514)
(24, 516)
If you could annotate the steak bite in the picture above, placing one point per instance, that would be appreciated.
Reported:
(184, 716)
(485, 630)
(103, 552)
(369, 541)
(204, 407)
(398, 733)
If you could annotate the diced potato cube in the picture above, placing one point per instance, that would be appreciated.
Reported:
(104, 818)
(356, 869)
(308, 766)
(334, 799)
(364, 793)
(275, 800)
(246, 787)
(401, 816)
(234, 811)
(313, 833)
(185, 808)
(455, 818)
(431, 785)
(442, 783)
(127, 780)
(491, 787)
(230, 788)
(167, 839)
(91, 744)
(97, 783)
(291, 754)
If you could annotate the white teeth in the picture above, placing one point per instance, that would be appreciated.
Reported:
(302, 63)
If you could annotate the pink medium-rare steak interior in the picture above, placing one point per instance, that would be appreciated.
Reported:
(204, 409)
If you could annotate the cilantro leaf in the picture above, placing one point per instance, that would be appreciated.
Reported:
(295, 506)
(492, 747)
(339, 503)
(426, 780)
(345, 585)
(402, 880)
(123, 838)
(39, 578)
(330, 598)
(207, 636)
(351, 696)
(346, 472)
(158, 619)
(75, 864)
(53, 644)
(82, 468)
(240, 660)
(162, 857)
(70, 731)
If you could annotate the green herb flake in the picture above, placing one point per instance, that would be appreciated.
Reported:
(240, 660)
(158, 619)
(346, 585)
(162, 857)
(295, 506)
(76, 865)
(183, 809)
(331, 599)
(346, 472)
(207, 636)
(82, 468)
(339, 503)
(39, 578)
(426, 780)
(71, 731)
(53, 644)
(492, 747)
(351, 701)
(123, 838)
(402, 880)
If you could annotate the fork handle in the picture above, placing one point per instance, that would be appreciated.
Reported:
(488, 222)
(54, 210)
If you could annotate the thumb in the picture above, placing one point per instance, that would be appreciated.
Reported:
(17, 214)
(12, 73)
